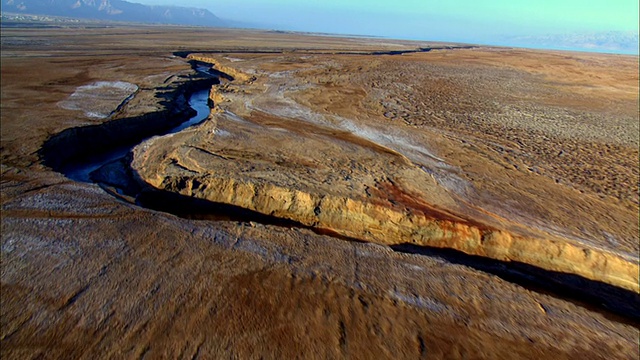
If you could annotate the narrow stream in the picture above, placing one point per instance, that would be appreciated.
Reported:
(199, 101)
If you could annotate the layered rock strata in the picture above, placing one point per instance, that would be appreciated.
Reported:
(319, 175)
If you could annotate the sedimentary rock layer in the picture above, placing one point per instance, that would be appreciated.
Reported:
(264, 152)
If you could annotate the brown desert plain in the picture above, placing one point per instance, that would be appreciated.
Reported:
(336, 198)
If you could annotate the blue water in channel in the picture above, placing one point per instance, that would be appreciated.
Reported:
(199, 101)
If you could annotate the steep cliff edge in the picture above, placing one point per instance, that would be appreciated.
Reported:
(263, 152)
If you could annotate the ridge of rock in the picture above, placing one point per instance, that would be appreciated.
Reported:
(264, 163)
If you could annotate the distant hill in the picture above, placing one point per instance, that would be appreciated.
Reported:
(116, 10)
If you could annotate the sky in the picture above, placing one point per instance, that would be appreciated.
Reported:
(471, 21)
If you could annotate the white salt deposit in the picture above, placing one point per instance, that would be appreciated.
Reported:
(100, 99)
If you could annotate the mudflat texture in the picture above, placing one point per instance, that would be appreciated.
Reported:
(482, 149)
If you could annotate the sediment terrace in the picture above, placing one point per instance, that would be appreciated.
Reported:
(334, 161)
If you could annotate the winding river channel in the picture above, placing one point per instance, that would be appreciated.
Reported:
(198, 101)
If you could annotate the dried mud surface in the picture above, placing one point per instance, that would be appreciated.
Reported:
(86, 274)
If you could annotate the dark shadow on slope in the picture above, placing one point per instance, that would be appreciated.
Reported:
(208, 69)
(74, 148)
(613, 302)
(192, 208)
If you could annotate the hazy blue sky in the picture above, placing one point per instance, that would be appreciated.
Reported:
(461, 20)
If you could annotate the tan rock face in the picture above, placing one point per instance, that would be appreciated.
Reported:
(266, 150)
(237, 75)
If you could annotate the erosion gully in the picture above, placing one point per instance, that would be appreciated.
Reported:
(73, 153)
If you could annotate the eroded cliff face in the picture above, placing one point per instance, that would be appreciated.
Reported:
(264, 151)
(235, 74)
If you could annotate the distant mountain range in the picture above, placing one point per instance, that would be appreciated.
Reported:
(625, 42)
(115, 10)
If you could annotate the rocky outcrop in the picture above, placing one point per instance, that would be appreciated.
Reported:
(382, 224)
(346, 184)
(235, 74)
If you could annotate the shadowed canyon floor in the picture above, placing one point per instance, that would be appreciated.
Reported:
(510, 155)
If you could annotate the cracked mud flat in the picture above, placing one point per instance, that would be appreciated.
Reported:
(87, 275)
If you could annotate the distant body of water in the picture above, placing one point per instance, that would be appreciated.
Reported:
(568, 48)
(612, 42)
